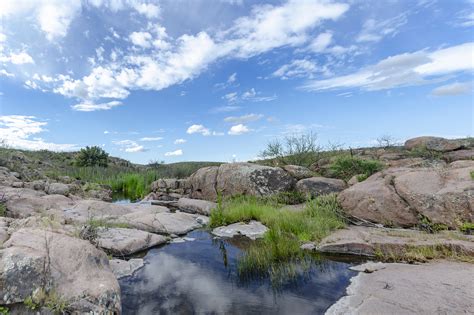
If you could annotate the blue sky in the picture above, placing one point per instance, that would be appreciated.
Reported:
(179, 80)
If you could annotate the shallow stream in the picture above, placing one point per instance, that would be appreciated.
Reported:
(200, 276)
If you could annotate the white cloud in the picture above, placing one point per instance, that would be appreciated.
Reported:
(17, 131)
(130, 146)
(5, 73)
(178, 152)
(198, 129)
(238, 130)
(453, 89)
(254, 96)
(149, 139)
(225, 109)
(91, 107)
(243, 119)
(321, 42)
(142, 39)
(179, 141)
(162, 63)
(406, 69)
(17, 59)
(231, 97)
(374, 30)
(296, 69)
(147, 9)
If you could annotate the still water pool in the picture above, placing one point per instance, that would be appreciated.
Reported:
(201, 277)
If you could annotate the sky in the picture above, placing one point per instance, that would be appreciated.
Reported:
(216, 80)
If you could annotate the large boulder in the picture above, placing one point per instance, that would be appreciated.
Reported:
(404, 196)
(69, 268)
(252, 179)
(203, 183)
(298, 172)
(317, 186)
(433, 144)
(239, 179)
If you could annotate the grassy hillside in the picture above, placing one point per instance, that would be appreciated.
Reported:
(131, 179)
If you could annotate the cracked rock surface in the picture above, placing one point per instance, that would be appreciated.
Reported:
(402, 196)
(442, 287)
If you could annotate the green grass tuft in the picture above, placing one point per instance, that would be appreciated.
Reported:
(472, 175)
(287, 229)
(345, 167)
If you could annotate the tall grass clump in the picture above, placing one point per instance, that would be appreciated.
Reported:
(344, 167)
(280, 246)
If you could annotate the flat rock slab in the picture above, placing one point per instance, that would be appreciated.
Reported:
(125, 268)
(167, 223)
(196, 206)
(441, 287)
(252, 230)
(366, 241)
(123, 242)
(85, 210)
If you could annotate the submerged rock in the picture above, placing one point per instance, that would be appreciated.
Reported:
(442, 287)
(252, 230)
(125, 268)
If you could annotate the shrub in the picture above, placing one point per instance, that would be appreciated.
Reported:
(296, 149)
(92, 156)
(345, 167)
(472, 175)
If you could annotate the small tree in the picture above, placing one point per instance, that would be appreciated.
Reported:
(92, 156)
(386, 141)
(296, 149)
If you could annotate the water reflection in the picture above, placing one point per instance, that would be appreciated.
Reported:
(200, 277)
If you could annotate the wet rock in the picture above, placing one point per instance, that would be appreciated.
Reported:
(36, 259)
(369, 267)
(298, 172)
(442, 287)
(125, 268)
(252, 230)
(196, 206)
(366, 241)
(124, 242)
(433, 144)
(318, 186)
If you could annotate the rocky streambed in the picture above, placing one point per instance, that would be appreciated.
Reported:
(63, 252)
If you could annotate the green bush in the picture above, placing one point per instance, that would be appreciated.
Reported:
(92, 156)
(345, 167)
